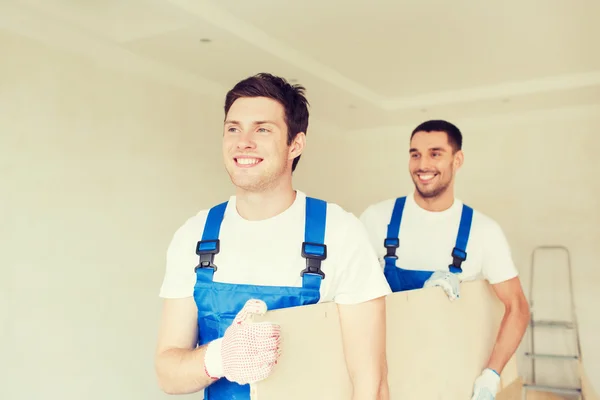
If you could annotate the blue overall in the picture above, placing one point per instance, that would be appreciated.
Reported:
(401, 279)
(218, 303)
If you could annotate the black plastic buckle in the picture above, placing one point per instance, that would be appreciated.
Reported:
(206, 250)
(391, 244)
(314, 254)
(458, 256)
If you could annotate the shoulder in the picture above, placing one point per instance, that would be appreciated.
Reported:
(337, 212)
(345, 231)
(489, 230)
(193, 223)
(191, 229)
(339, 221)
(383, 206)
(485, 223)
(379, 211)
(497, 264)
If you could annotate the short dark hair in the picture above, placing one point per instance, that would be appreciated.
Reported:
(291, 97)
(439, 125)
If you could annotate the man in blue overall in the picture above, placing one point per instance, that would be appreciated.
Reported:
(430, 238)
(268, 247)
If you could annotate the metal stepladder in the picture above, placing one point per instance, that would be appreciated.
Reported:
(570, 325)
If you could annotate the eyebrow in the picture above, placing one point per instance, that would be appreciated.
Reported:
(233, 122)
(413, 150)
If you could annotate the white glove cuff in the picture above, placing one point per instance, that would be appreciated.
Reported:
(491, 374)
(490, 380)
(213, 361)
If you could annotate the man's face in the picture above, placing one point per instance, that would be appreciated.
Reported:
(432, 163)
(255, 148)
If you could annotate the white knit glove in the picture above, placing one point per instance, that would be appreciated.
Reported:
(247, 352)
(447, 281)
(486, 386)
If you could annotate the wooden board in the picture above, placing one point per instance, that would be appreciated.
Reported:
(514, 392)
(436, 348)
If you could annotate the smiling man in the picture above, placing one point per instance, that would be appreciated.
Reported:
(268, 247)
(430, 238)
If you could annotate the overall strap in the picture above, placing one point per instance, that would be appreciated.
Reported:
(210, 243)
(392, 241)
(313, 247)
(459, 253)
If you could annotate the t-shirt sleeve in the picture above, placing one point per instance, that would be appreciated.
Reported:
(179, 277)
(498, 265)
(359, 276)
(372, 227)
(368, 221)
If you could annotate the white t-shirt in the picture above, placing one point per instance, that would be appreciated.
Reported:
(268, 253)
(427, 239)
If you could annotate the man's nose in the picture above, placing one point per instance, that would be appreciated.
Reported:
(246, 141)
(424, 163)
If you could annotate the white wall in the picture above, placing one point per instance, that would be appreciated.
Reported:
(536, 174)
(98, 169)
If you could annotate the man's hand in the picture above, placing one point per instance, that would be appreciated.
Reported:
(248, 352)
(486, 385)
(447, 281)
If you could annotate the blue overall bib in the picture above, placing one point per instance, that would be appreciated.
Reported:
(218, 303)
(401, 279)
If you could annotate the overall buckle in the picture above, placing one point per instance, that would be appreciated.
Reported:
(458, 256)
(206, 250)
(314, 254)
(391, 244)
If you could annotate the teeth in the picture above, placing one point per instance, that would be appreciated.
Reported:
(426, 177)
(247, 161)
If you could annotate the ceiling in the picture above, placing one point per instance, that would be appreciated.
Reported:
(364, 63)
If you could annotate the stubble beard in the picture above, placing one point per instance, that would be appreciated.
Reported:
(431, 192)
(256, 183)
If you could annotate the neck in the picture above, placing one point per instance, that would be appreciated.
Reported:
(255, 206)
(441, 202)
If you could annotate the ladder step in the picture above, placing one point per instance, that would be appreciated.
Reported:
(552, 324)
(557, 356)
(552, 389)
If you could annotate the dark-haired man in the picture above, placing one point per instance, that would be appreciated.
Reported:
(430, 238)
(268, 247)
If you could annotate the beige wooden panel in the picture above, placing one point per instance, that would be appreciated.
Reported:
(514, 392)
(436, 348)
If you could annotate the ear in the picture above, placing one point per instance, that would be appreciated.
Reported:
(297, 146)
(459, 159)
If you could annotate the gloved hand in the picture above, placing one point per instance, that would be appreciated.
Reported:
(248, 351)
(486, 386)
(447, 281)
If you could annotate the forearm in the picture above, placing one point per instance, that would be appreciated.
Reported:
(371, 388)
(181, 371)
(366, 359)
(512, 328)
(368, 368)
